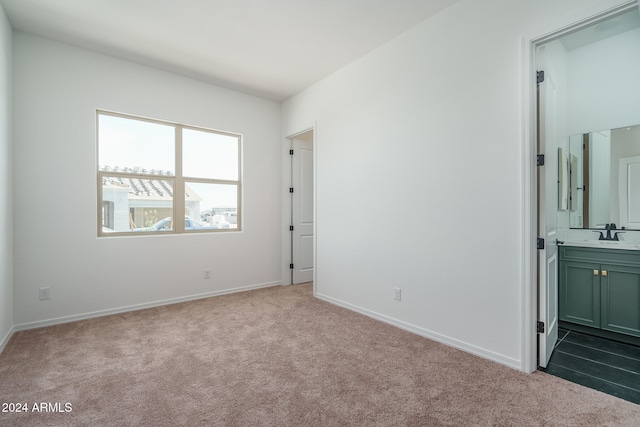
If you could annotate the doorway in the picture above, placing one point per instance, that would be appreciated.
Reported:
(567, 110)
(301, 204)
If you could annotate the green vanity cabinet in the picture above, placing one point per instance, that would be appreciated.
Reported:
(600, 288)
(579, 293)
(620, 299)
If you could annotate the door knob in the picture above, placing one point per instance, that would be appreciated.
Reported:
(596, 272)
(604, 272)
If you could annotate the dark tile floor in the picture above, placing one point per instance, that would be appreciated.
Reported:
(609, 366)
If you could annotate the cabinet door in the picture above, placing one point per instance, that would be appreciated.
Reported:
(580, 293)
(620, 299)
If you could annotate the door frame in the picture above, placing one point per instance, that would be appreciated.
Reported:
(623, 189)
(286, 206)
(529, 42)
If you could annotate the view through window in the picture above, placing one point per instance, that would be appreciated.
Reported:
(151, 171)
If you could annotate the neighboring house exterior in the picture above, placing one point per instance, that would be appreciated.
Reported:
(129, 203)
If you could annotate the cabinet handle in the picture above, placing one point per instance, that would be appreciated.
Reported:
(596, 272)
(604, 273)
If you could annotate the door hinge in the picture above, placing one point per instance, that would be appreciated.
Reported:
(540, 77)
(540, 327)
(540, 243)
(540, 160)
(291, 152)
(290, 189)
(291, 228)
(291, 266)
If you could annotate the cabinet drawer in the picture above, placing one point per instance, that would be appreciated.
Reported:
(614, 256)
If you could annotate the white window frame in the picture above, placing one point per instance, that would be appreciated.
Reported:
(178, 179)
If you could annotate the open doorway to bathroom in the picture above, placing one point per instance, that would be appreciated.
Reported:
(589, 262)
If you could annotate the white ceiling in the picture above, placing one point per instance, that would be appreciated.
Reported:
(268, 48)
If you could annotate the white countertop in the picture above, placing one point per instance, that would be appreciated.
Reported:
(603, 244)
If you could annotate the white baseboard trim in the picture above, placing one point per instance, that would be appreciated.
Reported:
(6, 338)
(135, 307)
(460, 345)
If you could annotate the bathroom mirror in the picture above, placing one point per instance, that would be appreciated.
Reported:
(604, 178)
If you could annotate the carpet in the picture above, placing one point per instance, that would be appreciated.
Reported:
(273, 357)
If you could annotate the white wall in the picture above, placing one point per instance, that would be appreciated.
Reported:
(6, 218)
(431, 124)
(604, 84)
(57, 90)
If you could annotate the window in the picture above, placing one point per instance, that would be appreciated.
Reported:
(150, 172)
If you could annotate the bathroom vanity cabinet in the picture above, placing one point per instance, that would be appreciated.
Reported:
(600, 289)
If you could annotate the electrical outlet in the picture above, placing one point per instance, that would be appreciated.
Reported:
(43, 293)
(397, 294)
(207, 273)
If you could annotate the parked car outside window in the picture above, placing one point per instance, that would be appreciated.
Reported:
(189, 224)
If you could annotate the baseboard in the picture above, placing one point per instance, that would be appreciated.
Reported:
(6, 338)
(108, 312)
(460, 345)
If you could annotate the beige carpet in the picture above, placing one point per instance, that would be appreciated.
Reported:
(274, 357)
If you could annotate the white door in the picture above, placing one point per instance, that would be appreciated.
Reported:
(302, 208)
(628, 189)
(548, 143)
